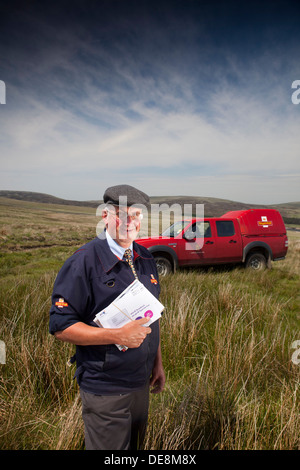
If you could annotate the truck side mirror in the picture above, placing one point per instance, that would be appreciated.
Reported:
(189, 236)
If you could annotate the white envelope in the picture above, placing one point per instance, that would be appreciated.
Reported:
(135, 302)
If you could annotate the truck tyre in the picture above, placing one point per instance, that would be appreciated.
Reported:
(163, 265)
(256, 261)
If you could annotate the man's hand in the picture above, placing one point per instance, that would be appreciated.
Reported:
(158, 378)
(133, 333)
(157, 381)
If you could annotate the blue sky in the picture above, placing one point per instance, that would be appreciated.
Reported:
(174, 97)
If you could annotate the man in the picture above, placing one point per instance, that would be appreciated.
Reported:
(114, 385)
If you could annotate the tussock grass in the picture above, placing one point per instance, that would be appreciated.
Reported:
(226, 339)
(226, 344)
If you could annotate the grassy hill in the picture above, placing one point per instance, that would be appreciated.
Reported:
(44, 198)
(213, 207)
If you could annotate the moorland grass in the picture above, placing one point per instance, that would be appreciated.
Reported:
(226, 345)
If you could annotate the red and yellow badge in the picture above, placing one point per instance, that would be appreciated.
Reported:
(153, 280)
(265, 222)
(61, 303)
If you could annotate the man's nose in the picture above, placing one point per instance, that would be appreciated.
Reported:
(126, 218)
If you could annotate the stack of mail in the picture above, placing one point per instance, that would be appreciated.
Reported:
(135, 302)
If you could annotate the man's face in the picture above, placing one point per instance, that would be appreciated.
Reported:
(123, 223)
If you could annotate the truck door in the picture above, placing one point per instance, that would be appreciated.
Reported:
(201, 248)
(228, 241)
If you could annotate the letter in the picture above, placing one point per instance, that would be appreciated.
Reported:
(295, 99)
(2, 353)
(188, 213)
(296, 354)
(2, 92)
(165, 219)
(151, 459)
(100, 225)
(176, 460)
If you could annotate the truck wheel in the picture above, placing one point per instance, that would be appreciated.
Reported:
(163, 265)
(257, 262)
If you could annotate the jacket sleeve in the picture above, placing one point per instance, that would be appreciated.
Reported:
(71, 295)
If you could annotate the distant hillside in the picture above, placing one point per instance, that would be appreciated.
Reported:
(213, 207)
(45, 198)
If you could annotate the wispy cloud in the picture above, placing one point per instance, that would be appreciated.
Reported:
(166, 121)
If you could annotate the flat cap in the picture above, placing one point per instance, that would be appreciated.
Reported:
(125, 195)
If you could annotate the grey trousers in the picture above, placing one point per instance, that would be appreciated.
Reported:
(115, 422)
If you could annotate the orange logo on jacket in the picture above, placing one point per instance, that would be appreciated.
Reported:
(61, 303)
(153, 280)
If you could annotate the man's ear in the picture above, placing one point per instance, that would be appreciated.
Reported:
(104, 216)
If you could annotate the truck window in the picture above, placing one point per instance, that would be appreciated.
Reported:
(207, 230)
(225, 228)
(175, 229)
(200, 229)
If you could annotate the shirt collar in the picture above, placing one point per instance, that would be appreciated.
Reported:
(115, 247)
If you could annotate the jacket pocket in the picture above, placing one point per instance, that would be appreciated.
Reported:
(128, 364)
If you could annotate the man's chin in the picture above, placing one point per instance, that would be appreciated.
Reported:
(129, 235)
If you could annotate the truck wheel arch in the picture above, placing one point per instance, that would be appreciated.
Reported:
(258, 247)
(165, 252)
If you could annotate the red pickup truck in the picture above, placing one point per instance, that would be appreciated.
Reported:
(254, 237)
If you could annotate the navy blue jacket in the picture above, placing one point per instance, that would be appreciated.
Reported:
(89, 281)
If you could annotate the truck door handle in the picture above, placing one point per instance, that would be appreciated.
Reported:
(209, 243)
(232, 241)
